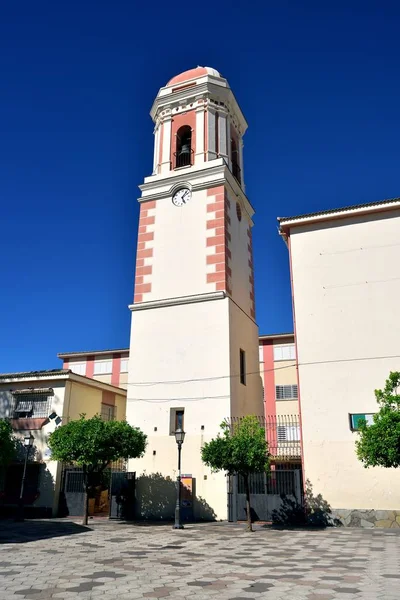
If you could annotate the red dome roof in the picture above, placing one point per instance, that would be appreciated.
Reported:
(193, 74)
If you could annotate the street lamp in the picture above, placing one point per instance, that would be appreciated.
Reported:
(179, 438)
(28, 443)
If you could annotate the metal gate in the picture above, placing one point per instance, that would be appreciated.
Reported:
(121, 493)
(267, 492)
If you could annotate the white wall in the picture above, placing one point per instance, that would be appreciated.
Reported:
(346, 291)
(241, 286)
(179, 260)
(173, 344)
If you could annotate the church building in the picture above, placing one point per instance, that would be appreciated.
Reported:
(194, 285)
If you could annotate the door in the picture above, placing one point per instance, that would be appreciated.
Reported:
(267, 491)
(122, 495)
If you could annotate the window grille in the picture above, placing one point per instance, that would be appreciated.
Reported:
(108, 412)
(31, 405)
(23, 406)
(288, 433)
(286, 392)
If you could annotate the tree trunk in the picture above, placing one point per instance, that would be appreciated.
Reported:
(248, 507)
(86, 497)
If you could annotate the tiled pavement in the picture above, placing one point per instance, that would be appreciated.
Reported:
(53, 559)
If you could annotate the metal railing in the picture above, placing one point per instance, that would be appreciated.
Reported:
(183, 160)
(282, 433)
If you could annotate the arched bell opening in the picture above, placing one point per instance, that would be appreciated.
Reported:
(235, 161)
(183, 154)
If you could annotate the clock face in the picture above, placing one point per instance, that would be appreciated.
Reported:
(181, 197)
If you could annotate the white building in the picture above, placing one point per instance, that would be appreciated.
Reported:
(345, 268)
(194, 357)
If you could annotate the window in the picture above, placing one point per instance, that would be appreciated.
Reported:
(286, 392)
(32, 404)
(124, 365)
(356, 418)
(176, 420)
(242, 366)
(286, 352)
(288, 433)
(261, 353)
(179, 420)
(78, 368)
(108, 412)
(183, 154)
(102, 367)
(235, 161)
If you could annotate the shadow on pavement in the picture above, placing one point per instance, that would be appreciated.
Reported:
(29, 531)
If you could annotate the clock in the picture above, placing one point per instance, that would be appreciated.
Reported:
(181, 197)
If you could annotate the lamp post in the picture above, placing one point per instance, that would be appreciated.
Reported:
(179, 438)
(28, 443)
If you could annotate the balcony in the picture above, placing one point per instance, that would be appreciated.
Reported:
(282, 433)
(183, 159)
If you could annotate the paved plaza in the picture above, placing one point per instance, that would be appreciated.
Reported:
(60, 559)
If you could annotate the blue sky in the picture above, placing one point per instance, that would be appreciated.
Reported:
(318, 82)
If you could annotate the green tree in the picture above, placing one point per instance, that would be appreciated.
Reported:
(8, 443)
(379, 443)
(241, 449)
(93, 444)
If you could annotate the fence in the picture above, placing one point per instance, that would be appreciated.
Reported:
(282, 433)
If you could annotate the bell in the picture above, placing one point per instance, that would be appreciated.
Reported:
(185, 149)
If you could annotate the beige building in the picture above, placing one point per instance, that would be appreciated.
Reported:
(346, 288)
(277, 354)
(278, 373)
(36, 403)
(107, 366)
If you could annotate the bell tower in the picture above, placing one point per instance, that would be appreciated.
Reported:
(194, 340)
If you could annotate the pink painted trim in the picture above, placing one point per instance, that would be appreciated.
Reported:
(297, 360)
(66, 364)
(269, 391)
(108, 398)
(116, 369)
(90, 366)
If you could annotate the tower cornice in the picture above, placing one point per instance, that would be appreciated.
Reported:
(204, 176)
(208, 89)
(178, 301)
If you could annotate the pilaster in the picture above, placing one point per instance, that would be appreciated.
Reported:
(165, 166)
(222, 136)
(211, 131)
(200, 149)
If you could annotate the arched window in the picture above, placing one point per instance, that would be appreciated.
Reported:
(183, 154)
(235, 161)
